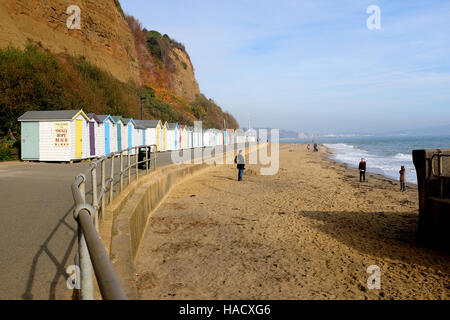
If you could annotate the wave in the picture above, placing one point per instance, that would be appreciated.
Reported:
(386, 165)
(402, 156)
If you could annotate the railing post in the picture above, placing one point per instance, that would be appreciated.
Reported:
(95, 196)
(155, 153)
(136, 154)
(146, 159)
(121, 171)
(86, 270)
(103, 185)
(129, 168)
(111, 189)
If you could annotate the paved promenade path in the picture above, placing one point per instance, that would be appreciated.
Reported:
(37, 230)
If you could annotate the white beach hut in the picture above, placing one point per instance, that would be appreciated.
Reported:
(152, 131)
(172, 133)
(130, 127)
(189, 137)
(55, 135)
(121, 134)
(96, 135)
(108, 135)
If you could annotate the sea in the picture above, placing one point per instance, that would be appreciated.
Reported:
(384, 154)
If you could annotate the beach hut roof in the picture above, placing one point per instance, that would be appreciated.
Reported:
(93, 116)
(104, 118)
(172, 126)
(117, 119)
(148, 123)
(128, 120)
(52, 115)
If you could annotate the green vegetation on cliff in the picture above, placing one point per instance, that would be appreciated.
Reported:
(33, 79)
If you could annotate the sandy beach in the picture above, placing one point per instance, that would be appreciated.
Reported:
(309, 232)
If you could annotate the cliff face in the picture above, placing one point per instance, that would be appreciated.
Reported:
(132, 63)
(104, 38)
(165, 64)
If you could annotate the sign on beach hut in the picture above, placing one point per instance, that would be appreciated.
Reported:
(55, 135)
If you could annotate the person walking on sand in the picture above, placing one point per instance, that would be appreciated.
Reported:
(362, 170)
(240, 161)
(308, 147)
(402, 179)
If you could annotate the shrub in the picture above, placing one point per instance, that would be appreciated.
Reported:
(7, 151)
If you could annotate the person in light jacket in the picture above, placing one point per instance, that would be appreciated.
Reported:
(240, 161)
(402, 179)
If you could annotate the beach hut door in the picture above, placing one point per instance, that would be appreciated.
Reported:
(107, 141)
(92, 137)
(30, 140)
(130, 136)
(119, 137)
(78, 138)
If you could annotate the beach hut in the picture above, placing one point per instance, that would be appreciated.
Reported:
(130, 129)
(152, 131)
(55, 135)
(180, 137)
(189, 131)
(230, 136)
(142, 136)
(95, 127)
(184, 137)
(120, 131)
(164, 136)
(208, 138)
(240, 136)
(106, 136)
(196, 140)
(172, 133)
(251, 136)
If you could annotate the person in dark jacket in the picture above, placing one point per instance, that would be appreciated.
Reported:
(362, 170)
(316, 147)
(402, 179)
(240, 161)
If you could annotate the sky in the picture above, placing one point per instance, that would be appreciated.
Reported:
(314, 66)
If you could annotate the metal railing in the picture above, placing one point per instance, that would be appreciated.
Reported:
(92, 256)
